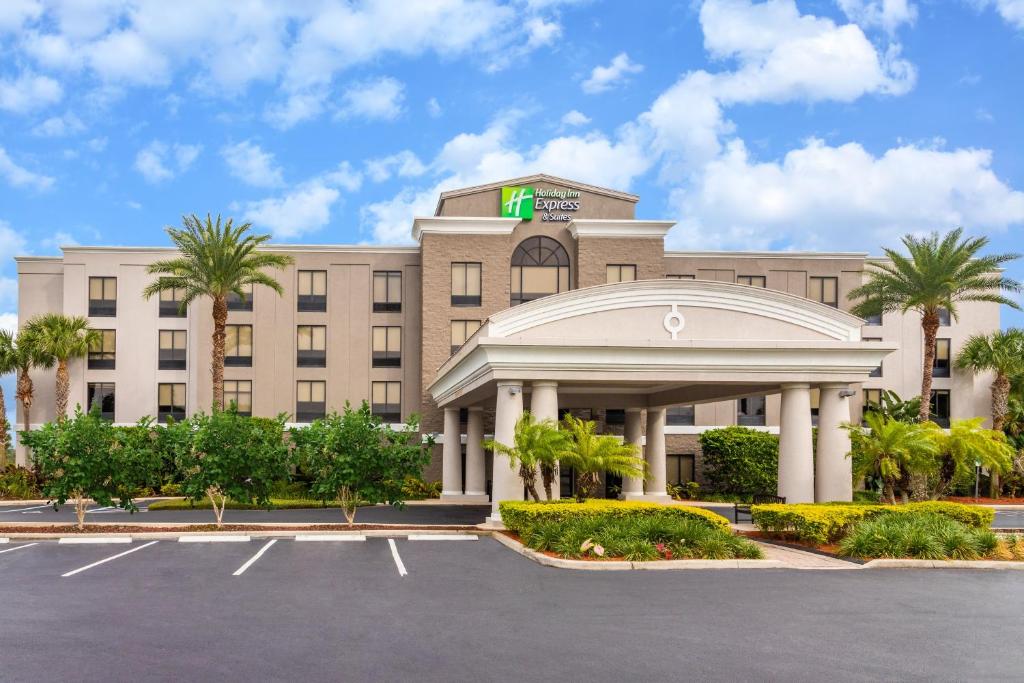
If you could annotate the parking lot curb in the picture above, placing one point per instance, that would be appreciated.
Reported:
(621, 565)
(398, 532)
(943, 564)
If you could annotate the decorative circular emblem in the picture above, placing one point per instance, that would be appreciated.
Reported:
(674, 322)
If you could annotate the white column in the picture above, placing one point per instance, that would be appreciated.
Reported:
(476, 484)
(633, 487)
(655, 455)
(451, 456)
(833, 476)
(505, 481)
(796, 455)
(544, 406)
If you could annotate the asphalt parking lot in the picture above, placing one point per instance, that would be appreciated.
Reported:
(474, 610)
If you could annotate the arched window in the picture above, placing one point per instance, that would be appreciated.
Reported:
(540, 266)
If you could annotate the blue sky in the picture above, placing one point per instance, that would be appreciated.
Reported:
(816, 124)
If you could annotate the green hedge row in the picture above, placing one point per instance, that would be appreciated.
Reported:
(825, 523)
(522, 516)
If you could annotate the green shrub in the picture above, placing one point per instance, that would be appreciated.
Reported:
(18, 483)
(829, 522)
(414, 488)
(740, 460)
(521, 515)
(924, 535)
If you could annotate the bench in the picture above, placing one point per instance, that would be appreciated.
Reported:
(756, 499)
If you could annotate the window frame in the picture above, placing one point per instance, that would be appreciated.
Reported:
(314, 409)
(177, 412)
(102, 308)
(681, 277)
(675, 461)
(744, 419)
(867, 402)
(823, 279)
(763, 280)
(237, 303)
(388, 412)
(465, 299)
(536, 252)
(100, 358)
(173, 357)
(387, 305)
(90, 398)
(466, 335)
(943, 367)
(236, 360)
(310, 302)
(679, 416)
(170, 303)
(933, 414)
(385, 358)
(617, 269)
(234, 394)
(311, 357)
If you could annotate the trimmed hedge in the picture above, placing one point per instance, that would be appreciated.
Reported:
(521, 516)
(825, 523)
(740, 460)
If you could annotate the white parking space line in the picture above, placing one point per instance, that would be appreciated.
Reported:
(108, 559)
(398, 560)
(82, 540)
(18, 547)
(35, 507)
(213, 539)
(5, 540)
(251, 560)
(442, 537)
(108, 507)
(329, 537)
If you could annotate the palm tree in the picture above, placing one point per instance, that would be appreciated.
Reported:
(965, 446)
(892, 451)
(23, 353)
(590, 454)
(939, 273)
(62, 337)
(215, 260)
(537, 444)
(7, 365)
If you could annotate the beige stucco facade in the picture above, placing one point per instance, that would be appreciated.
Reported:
(468, 228)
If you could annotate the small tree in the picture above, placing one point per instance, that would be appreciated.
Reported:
(63, 338)
(892, 451)
(87, 458)
(235, 457)
(966, 443)
(355, 459)
(536, 444)
(591, 454)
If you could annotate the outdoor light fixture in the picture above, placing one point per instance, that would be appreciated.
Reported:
(513, 389)
(847, 393)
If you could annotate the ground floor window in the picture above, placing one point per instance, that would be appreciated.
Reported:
(310, 400)
(940, 407)
(238, 392)
(679, 468)
(680, 415)
(170, 401)
(750, 411)
(102, 394)
(386, 400)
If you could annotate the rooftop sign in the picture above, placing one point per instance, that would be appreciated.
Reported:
(521, 202)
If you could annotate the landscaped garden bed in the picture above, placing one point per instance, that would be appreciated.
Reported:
(603, 530)
(927, 531)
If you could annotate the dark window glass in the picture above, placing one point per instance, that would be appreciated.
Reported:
(940, 368)
(102, 353)
(944, 317)
(750, 411)
(680, 277)
(680, 416)
(312, 290)
(615, 416)
(873, 319)
(310, 400)
(103, 297)
(386, 400)
(872, 401)
(679, 468)
(173, 350)
(311, 346)
(241, 303)
(238, 346)
(170, 402)
(387, 347)
(170, 303)
(465, 284)
(540, 267)
(387, 291)
(102, 394)
(940, 407)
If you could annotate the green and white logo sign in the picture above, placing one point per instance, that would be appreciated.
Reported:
(517, 202)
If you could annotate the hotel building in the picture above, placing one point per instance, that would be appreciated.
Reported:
(534, 293)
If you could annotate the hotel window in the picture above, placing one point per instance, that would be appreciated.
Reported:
(615, 416)
(102, 351)
(815, 406)
(680, 277)
(170, 402)
(101, 394)
(238, 346)
(170, 302)
(172, 350)
(238, 392)
(312, 290)
(310, 400)
(312, 346)
(387, 291)
(387, 347)
(679, 468)
(466, 284)
(872, 402)
(752, 280)
(620, 273)
(540, 267)
(680, 416)
(386, 400)
(877, 372)
(103, 297)
(825, 290)
(241, 303)
(750, 411)
(461, 331)
(940, 368)
(944, 317)
(873, 320)
(940, 407)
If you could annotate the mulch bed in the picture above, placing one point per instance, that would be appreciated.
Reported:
(71, 528)
(984, 501)
(829, 549)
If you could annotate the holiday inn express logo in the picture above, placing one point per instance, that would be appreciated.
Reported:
(517, 202)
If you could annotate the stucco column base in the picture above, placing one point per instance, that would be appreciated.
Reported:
(833, 476)
(796, 450)
(465, 498)
(633, 487)
(505, 481)
(649, 497)
(544, 406)
(476, 478)
(451, 455)
(655, 456)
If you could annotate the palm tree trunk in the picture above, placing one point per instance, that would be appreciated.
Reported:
(547, 473)
(220, 319)
(63, 388)
(4, 429)
(23, 393)
(930, 327)
(1000, 406)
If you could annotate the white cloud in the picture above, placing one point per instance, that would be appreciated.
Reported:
(299, 107)
(379, 99)
(249, 163)
(97, 144)
(17, 176)
(604, 78)
(58, 240)
(29, 92)
(14, 13)
(984, 115)
(541, 32)
(159, 161)
(305, 209)
(12, 242)
(59, 126)
(404, 164)
(434, 108)
(9, 321)
(344, 176)
(1012, 11)
(575, 118)
(888, 15)
(840, 197)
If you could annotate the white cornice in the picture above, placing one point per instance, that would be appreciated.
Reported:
(829, 255)
(311, 248)
(462, 225)
(603, 227)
